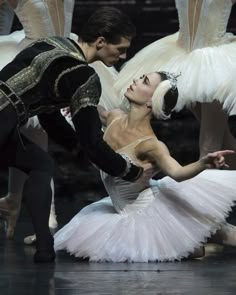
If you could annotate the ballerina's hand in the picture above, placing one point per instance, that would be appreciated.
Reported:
(217, 159)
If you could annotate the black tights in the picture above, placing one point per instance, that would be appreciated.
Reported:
(17, 151)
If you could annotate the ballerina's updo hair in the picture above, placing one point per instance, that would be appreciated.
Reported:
(165, 96)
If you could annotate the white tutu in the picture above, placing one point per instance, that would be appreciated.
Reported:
(203, 71)
(9, 47)
(201, 51)
(107, 75)
(166, 222)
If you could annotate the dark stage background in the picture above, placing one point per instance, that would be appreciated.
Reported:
(77, 181)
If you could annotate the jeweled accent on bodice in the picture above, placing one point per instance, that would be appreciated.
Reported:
(203, 23)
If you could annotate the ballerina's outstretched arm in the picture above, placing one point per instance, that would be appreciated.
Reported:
(157, 153)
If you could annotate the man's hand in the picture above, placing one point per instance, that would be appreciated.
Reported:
(135, 172)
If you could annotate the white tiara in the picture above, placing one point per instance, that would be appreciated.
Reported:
(172, 78)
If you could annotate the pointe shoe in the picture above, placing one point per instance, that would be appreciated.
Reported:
(228, 233)
(9, 211)
(197, 253)
(30, 240)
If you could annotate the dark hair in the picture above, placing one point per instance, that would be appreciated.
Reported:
(109, 22)
(170, 98)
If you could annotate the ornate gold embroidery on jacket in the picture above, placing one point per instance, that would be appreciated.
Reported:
(86, 95)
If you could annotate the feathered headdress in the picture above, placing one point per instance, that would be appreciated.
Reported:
(162, 103)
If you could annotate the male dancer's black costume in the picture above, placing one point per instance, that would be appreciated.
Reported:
(48, 75)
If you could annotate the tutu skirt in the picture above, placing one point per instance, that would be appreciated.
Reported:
(108, 75)
(204, 71)
(9, 47)
(177, 218)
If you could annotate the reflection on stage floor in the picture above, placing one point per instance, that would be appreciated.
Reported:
(215, 274)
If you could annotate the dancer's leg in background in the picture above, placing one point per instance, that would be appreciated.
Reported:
(6, 18)
(214, 130)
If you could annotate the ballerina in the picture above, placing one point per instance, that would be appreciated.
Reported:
(140, 222)
(198, 51)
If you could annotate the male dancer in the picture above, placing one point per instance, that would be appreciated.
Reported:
(50, 74)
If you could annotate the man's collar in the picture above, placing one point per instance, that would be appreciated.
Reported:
(78, 47)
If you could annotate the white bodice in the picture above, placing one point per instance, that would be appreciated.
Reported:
(130, 196)
(203, 23)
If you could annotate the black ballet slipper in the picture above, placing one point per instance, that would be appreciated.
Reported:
(44, 256)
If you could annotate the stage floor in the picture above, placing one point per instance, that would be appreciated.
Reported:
(215, 274)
